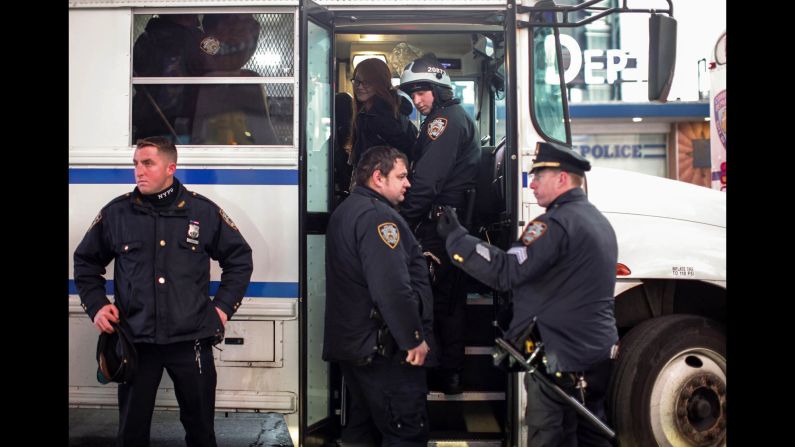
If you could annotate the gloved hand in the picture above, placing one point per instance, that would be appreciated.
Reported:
(448, 222)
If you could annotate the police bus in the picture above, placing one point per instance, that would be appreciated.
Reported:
(256, 134)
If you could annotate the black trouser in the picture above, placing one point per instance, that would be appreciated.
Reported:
(387, 404)
(195, 393)
(552, 423)
(449, 300)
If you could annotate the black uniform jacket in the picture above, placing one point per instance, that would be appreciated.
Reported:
(162, 269)
(562, 271)
(373, 261)
(378, 126)
(447, 157)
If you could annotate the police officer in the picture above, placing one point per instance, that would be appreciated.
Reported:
(562, 274)
(446, 158)
(162, 238)
(170, 46)
(378, 321)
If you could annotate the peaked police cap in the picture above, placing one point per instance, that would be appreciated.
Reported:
(117, 358)
(559, 156)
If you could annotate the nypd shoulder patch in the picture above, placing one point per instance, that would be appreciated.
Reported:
(533, 231)
(227, 219)
(389, 233)
(96, 221)
(436, 128)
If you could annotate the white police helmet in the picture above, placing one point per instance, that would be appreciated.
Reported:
(424, 70)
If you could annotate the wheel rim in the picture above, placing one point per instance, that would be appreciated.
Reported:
(688, 400)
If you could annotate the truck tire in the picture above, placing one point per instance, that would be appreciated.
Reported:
(669, 384)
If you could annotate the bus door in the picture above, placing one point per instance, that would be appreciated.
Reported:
(316, 40)
(471, 38)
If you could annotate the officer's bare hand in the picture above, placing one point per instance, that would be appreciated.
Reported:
(416, 356)
(106, 315)
(221, 315)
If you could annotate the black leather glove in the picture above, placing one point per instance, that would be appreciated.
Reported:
(448, 222)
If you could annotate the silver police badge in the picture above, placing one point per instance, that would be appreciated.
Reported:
(193, 231)
(533, 231)
(436, 128)
(389, 233)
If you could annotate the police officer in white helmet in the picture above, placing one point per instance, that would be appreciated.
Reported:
(445, 166)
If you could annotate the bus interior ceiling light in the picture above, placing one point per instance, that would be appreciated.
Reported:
(367, 55)
(371, 37)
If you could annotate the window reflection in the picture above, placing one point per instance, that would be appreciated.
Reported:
(234, 46)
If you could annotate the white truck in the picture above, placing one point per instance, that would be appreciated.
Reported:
(670, 383)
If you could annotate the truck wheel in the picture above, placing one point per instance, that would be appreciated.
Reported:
(669, 384)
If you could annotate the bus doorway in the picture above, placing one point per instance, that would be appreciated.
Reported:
(474, 58)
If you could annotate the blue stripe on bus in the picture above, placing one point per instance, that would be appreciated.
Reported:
(628, 110)
(524, 179)
(125, 176)
(255, 289)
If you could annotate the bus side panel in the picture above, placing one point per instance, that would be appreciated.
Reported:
(99, 78)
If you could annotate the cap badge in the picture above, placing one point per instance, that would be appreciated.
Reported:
(210, 45)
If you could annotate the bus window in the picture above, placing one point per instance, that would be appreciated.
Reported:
(465, 91)
(214, 79)
(547, 100)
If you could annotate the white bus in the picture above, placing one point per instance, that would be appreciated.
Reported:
(257, 137)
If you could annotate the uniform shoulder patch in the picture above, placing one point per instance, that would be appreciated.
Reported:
(533, 231)
(96, 220)
(227, 219)
(389, 233)
(436, 128)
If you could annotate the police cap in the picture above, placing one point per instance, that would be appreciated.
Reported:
(117, 357)
(559, 156)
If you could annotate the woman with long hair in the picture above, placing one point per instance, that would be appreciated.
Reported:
(381, 114)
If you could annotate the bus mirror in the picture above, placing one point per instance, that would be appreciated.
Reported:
(662, 56)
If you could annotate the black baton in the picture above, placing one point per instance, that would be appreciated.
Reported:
(580, 408)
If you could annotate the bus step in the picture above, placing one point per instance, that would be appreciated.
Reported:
(466, 421)
(464, 443)
(467, 396)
